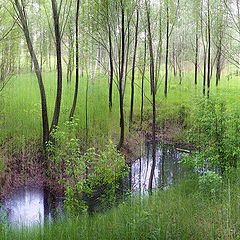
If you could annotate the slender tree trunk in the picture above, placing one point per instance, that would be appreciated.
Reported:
(196, 57)
(133, 67)
(96, 66)
(91, 61)
(167, 50)
(218, 68)
(3, 65)
(22, 16)
(126, 64)
(143, 75)
(59, 66)
(9, 60)
(77, 64)
(111, 67)
(41, 51)
(153, 100)
(18, 61)
(209, 53)
(121, 77)
(47, 53)
(204, 72)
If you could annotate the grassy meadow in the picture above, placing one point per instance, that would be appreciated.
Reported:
(182, 212)
(20, 114)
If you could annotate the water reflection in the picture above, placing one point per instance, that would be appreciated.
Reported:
(167, 171)
(31, 205)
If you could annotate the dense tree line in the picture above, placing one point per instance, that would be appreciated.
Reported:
(116, 39)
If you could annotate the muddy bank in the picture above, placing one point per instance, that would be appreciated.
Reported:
(29, 168)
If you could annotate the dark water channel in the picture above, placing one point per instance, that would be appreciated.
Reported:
(31, 205)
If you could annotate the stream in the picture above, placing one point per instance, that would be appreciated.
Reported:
(34, 205)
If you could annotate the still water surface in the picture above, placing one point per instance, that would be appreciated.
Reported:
(33, 205)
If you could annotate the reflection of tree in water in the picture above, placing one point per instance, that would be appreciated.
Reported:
(166, 172)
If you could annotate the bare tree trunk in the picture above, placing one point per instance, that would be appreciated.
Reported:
(111, 67)
(143, 75)
(96, 65)
(153, 101)
(91, 61)
(133, 67)
(3, 64)
(59, 66)
(77, 64)
(209, 52)
(22, 16)
(167, 50)
(41, 51)
(196, 57)
(218, 68)
(9, 60)
(121, 77)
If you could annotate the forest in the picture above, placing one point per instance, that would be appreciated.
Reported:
(119, 119)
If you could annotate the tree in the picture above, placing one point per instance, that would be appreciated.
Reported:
(152, 79)
(133, 65)
(59, 64)
(77, 63)
(23, 23)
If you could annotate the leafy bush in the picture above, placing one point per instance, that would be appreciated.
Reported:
(216, 133)
(90, 176)
(210, 184)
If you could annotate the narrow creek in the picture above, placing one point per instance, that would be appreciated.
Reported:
(30, 205)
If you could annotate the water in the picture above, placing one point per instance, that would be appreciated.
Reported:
(33, 205)
(168, 170)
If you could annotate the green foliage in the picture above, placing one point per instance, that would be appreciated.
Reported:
(84, 175)
(210, 184)
(215, 130)
(3, 221)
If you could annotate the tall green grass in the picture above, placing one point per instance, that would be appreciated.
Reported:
(20, 114)
(181, 212)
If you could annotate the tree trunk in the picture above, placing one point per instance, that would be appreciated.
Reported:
(153, 102)
(204, 72)
(143, 75)
(196, 57)
(133, 67)
(59, 66)
(167, 50)
(209, 53)
(77, 65)
(111, 67)
(121, 78)
(218, 68)
(21, 13)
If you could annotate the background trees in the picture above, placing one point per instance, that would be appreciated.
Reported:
(109, 40)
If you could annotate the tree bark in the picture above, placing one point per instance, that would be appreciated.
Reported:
(77, 65)
(209, 53)
(167, 50)
(196, 57)
(59, 66)
(143, 76)
(133, 67)
(153, 101)
(21, 13)
(121, 77)
(111, 67)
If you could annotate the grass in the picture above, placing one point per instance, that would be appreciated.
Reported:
(182, 212)
(20, 118)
